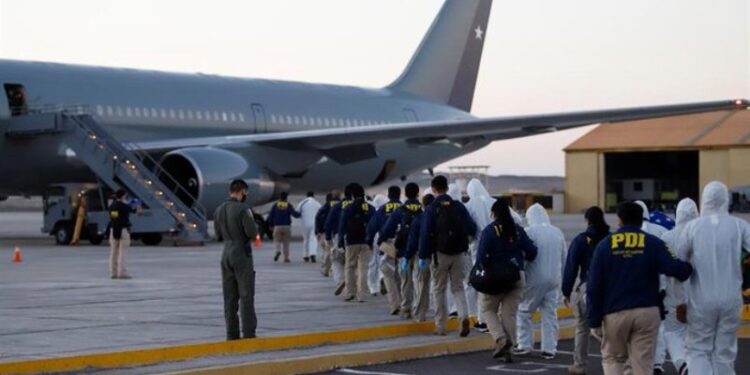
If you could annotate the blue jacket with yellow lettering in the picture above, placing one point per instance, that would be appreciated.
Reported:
(334, 215)
(624, 273)
(378, 221)
(281, 214)
(392, 226)
(353, 223)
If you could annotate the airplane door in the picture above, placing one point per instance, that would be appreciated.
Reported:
(259, 115)
(410, 115)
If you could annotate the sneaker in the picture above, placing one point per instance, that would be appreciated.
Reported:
(575, 370)
(453, 314)
(481, 327)
(306, 259)
(501, 349)
(395, 311)
(349, 299)
(547, 355)
(312, 259)
(276, 257)
(465, 328)
(521, 351)
(683, 369)
(339, 289)
(658, 369)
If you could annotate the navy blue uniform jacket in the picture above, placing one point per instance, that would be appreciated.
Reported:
(281, 214)
(332, 221)
(347, 238)
(580, 252)
(322, 215)
(495, 248)
(429, 218)
(378, 221)
(624, 273)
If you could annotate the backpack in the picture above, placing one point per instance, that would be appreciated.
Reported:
(408, 213)
(494, 274)
(450, 232)
(356, 227)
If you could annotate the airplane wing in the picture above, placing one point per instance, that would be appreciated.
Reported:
(342, 143)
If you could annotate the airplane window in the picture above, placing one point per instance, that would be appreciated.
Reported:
(304, 120)
(296, 120)
(232, 118)
(217, 117)
(318, 121)
(199, 115)
(154, 113)
(223, 116)
(99, 110)
(144, 110)
(180, 114)
(288, 119)
(118, 110)
(273, 118)
(163, 113)
(208, 116)
(128, 111)
(137, 112)
(109, 110)
(241, 117)
(325, 121)
(189, 114)
(171, 113)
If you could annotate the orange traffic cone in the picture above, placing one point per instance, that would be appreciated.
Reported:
(17, 255)
(258, 241)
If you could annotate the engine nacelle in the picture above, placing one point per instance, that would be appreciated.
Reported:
(207, 172)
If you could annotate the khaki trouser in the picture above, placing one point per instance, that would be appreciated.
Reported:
(282, 235)
(449, 268)
(325, 263)
(581, 350)
(407, 287)
(629, 336)
(357, 260)
(119, 249)
(422, 294)
(389, 268)
(499, 312)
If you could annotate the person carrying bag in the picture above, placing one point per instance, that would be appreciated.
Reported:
(498, 276)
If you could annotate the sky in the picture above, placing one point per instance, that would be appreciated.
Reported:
(539, 56)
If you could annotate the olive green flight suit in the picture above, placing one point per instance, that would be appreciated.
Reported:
(235, 226)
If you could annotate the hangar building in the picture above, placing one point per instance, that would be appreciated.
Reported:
(659, 161)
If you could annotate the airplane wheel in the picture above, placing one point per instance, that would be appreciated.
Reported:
(151, 239)
(63, 233)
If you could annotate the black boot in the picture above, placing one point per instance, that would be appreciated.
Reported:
(312, 259)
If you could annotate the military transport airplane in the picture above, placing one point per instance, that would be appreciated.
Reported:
(277, 135)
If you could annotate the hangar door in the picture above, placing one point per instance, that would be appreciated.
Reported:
(660, 179)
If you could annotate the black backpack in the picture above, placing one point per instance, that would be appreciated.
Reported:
(408, 213)
(356, 228)
(494, 274)
(450, 232)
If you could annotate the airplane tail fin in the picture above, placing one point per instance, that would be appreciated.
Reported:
(446, 64)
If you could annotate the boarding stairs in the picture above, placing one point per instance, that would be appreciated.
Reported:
(118, 167)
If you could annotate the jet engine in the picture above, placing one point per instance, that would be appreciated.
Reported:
(204, 174)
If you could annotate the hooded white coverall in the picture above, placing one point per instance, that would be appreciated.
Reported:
(543, 281)
(674, 331)
(657, 230)
(373, 268)
(479, 207)
(713, 244)
(308, 208)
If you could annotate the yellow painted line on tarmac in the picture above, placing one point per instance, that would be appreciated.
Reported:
(327, 362)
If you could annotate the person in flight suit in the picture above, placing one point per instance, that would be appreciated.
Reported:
(353, 238)
(119, 237)
(234, 225)
(338, 257)
(280, 219)
(388, 263)
(623, 293)
(332, 199)
(397, 229)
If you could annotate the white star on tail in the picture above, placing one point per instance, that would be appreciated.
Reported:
(479, 32)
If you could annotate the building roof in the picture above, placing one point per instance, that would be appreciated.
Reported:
(712, 129)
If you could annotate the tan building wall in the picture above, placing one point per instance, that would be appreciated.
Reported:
(730, 166)
(584, 180)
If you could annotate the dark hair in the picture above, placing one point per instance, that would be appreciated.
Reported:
(630, 213)
(439, 184)
(283, 195)
(428, 199)
(237, 185)
(335, 195)
(502, 214)
(329, 197)
(119, 194)
(310, 194)
(595, 216)
(358, 191)
(348, 191)
(394, 192)
(411, 190)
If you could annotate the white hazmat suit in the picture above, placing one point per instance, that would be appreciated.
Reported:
(308, 208)
(479, 207)
(674, 331)
(373, 268)
(543, 281)
(713, 245)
